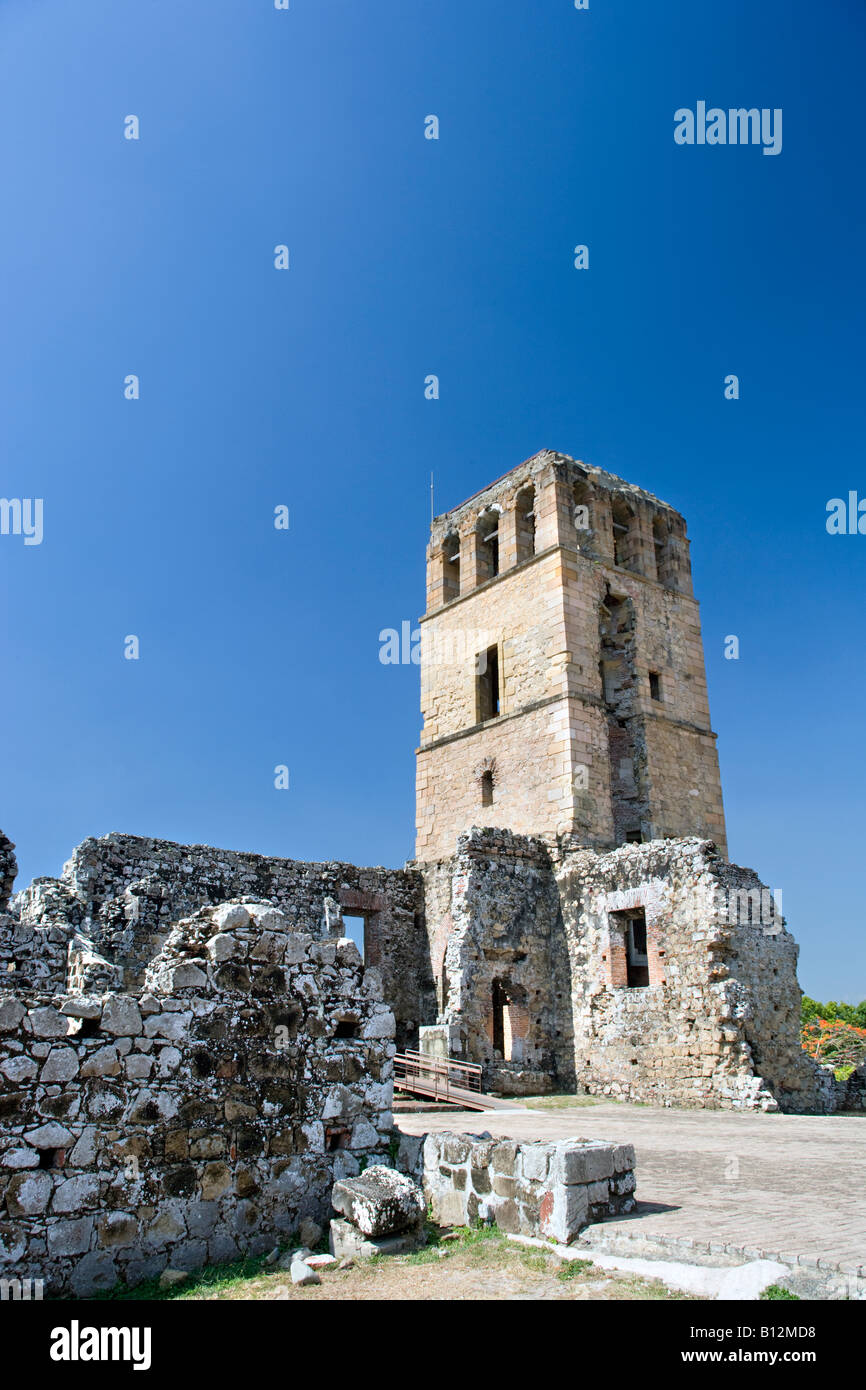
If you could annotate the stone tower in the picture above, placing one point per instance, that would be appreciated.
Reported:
(562, 672)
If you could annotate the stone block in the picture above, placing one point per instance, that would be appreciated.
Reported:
(76, 1193)
(104, 1062)
(623, 1158)
(70, 1237)
(121, 1016)
(117, 1229)
(20, 1158)
(449, 1207)
(347, 1242)
(380, 1202)
(563, 1213)
(28, 1194)
(506, 1214)
(597, 1192)
(61, 1064)
(96, 1273)
(48, 1023)
(535, 1161)
(453, 1149)
(578, 1162)
(503, 1158)
(12, 1012)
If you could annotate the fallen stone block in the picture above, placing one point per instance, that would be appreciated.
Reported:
(381, 1202)
(347, 1243)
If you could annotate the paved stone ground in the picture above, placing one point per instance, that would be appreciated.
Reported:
(788, 1184)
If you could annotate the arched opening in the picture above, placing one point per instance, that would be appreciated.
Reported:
(450, 568)
(487, 789)
(509, 1021)
(622, 518)
(525, 524)
(488, 545)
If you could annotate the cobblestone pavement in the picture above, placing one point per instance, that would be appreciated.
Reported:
(781, 1184)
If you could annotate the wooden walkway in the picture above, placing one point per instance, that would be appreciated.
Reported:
(453, 1083)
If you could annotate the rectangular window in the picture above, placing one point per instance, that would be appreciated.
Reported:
(629, 959)
(487, 684)
(637, 963)
(655, 685)
(354, 926)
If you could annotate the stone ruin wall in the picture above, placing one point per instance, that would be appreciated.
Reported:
(718, 1024)
(119, 895)
(198, 1118)
(505, 966)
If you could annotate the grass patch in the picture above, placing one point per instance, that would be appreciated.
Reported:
(573, 1269)
(201, 1281)
(775, 1292)
(569, 1102)
(467, 1262)
(554, 1102)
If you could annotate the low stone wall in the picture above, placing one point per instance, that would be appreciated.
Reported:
(536, 1189)
(200, 1118)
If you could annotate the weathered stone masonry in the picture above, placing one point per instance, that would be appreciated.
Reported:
(120, 894)
(542, 986)
(200, 1117)
(588, 712)
(535, 1189)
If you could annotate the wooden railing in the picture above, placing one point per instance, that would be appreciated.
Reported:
(439, 1078)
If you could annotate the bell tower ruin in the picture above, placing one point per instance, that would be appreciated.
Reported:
(563, 686)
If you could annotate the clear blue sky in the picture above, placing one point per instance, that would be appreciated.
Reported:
(305, 387)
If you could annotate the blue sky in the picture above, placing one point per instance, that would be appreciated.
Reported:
(305, 388)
